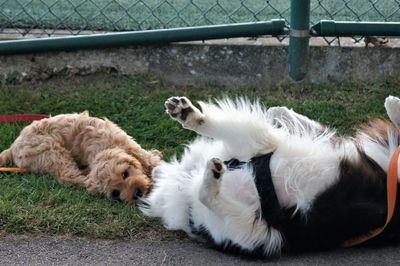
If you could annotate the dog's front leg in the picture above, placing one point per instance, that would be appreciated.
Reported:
(209, 190)
(244, 133)
(238, 214)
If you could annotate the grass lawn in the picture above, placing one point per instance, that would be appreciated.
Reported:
(154, 14)
(36, 204)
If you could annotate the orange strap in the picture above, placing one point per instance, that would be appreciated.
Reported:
(13, 169)
(391, 201)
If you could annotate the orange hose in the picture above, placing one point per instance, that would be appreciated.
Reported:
(13, 169)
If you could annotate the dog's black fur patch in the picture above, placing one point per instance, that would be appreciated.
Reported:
(229, 247)
(185, 113)
(271, 210)
(352, 207)
(175, 100)
(216, 174)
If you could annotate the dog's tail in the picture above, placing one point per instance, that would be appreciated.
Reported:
(6, 157)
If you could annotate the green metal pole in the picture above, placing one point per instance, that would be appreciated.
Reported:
(272, 27)
(351, 28)
(299, 37)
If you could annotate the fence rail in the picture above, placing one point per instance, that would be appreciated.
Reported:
(273, 27)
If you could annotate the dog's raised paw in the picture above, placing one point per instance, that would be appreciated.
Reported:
(217, 167)
(179, 108)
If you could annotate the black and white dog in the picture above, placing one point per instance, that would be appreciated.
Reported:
(263, 181)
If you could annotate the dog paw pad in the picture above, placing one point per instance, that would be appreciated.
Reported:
(217, 167)
(179, 108)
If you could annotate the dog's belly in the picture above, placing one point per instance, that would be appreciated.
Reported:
(302, 169)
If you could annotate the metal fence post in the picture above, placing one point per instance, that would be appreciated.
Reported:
(299, 37)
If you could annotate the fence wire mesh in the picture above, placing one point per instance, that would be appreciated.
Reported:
(51, 17)
(354, 10)
(77, 16)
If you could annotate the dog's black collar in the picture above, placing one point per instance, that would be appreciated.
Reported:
(233, 164)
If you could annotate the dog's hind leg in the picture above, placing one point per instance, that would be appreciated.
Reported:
(392, 105)
(43, 155)
(5, 156)
(295, 123)
(243, 129)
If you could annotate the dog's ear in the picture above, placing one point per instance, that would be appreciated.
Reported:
(147, 159)
(156, 157)
(85, 113)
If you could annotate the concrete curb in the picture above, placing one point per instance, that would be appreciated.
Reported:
(199, 64)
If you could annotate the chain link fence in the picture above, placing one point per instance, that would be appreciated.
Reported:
(85, 16)
(354, 10)
(36, 18)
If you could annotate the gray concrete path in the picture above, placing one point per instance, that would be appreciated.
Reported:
(53, 251)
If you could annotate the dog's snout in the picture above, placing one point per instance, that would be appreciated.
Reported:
(137, 193)
(115, 195)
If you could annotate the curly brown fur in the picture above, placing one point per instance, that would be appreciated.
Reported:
(85, 151)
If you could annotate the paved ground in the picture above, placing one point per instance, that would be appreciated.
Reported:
(52, 251)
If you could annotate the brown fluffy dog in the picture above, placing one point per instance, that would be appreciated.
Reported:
(85, 151)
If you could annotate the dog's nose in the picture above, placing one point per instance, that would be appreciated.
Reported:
(137, 193)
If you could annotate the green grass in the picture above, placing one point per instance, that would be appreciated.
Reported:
(36, 204)
(155, 14)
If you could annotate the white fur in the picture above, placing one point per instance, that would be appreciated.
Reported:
(392, 105)
(305, 161)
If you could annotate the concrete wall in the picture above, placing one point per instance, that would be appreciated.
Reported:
(227, 64)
